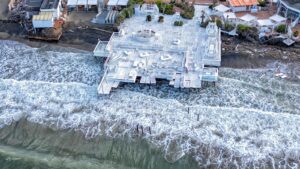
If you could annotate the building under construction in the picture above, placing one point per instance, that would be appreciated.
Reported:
(144, 51)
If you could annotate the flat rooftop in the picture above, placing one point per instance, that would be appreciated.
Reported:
(184, 55)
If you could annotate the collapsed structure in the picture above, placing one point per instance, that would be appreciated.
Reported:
(144, 51)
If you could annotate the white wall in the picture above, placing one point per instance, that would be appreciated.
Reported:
(239, 9)
(43, 23)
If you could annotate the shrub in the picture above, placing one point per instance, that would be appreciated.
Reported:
(262, 3)
(188, 11)
(281, 28)
(149, 18)
(296, 34)
(121, 17)
(178, 23)
(125, 13)
(219, 23)
(228, 27)
(133, 2)
(187, 15)
(169, 9)
(243, 28)
(161, 19)
(130, 11)
(165, 8)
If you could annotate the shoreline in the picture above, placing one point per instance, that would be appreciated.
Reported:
(236, 53)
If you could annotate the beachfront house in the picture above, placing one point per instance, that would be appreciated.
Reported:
(50, 10)
(243, 5)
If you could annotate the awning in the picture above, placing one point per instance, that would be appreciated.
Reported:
(222, 8)
(277, 18)
(265, 22)
(229, 15)
(248, 18)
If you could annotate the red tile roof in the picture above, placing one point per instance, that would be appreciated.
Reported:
(243, 2)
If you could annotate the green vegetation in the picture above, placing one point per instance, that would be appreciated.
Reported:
(247, 32)
(281, 28)
(149, 18)
(161, 19)
(188, 11)
(133, 2)
(127, 12)
(219, 23)
(296, 33)
(121, 17)
(243, 28)
(228, 27)
(165, 8)
(178, 23)
(262, 3)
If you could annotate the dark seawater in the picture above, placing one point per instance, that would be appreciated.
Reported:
(25, 145)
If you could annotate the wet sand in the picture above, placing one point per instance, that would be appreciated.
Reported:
(81, 36)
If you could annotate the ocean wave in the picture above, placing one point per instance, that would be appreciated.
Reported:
(250, 119)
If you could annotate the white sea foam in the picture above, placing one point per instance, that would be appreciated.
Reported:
(249, 118)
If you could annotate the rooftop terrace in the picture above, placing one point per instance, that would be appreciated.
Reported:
(184, 55)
